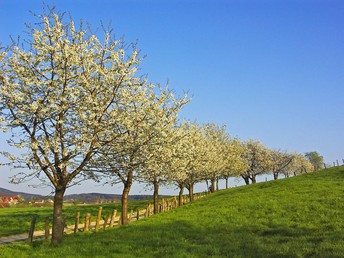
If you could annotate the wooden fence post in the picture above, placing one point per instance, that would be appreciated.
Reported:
(47, 228)
(120, 220)
(105, 221)
(87, 222)
(77, 219)
(98, 218)
(64, 224)
(137, 214)
(32, 229)
(131, 215)
(113, 215)
(147, 211)
(90, 221)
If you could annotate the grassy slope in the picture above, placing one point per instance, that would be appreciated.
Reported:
(17, 220)
(296, 217)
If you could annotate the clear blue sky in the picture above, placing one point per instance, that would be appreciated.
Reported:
(269, 70)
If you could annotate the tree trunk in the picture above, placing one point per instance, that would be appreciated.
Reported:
(57, 234)
(124, 213)
(191, 190)
(126, 190)
(275, 175)
(253, 179)
(212, 187)
(226, 182)
(246, 179)
(217, 184)
(156, 196)
(181, 191)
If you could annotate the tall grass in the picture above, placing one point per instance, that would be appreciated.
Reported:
(295, 217)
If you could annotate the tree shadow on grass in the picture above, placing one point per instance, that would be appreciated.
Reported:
(184, 239)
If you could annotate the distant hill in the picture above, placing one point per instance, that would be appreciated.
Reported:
(92, 197)
(84, 197)
(26, 196)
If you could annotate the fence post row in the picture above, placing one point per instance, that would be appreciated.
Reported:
(164, 206)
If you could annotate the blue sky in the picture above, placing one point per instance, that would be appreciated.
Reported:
(269, 70)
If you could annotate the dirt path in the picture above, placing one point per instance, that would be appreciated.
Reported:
(19, 237)
(37, 234)
(41, 233)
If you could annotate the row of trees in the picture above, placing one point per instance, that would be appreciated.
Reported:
(78, 108)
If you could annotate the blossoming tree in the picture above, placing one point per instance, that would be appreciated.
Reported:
(148, 115)
(233, 158)
(298, 165)
(258, 160)
(280, 161)
(59, 96)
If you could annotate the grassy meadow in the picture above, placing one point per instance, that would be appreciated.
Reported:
(295, 217)
(17, 220)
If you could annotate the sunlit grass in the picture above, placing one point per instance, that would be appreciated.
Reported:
(295, 217)
(17, 220)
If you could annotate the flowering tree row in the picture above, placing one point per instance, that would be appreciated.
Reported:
(194, 153)
(73, 101)
(78, 108)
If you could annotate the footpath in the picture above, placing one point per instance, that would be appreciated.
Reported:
(19, 237)
(39, 234)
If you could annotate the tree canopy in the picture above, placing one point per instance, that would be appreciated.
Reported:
(76, 105)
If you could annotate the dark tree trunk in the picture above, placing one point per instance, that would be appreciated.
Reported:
(191, 190)
(246, 179)
(253, 179)
(217, 183)
(212, 186)
(126, 190)
(181, 191)
(275, 175)
(226, 182)
(58, 222)
(156, 196)
(124, 214)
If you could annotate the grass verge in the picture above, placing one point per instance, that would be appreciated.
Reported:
(295, 217)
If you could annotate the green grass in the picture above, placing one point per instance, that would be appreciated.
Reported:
(295, 217)
(17, 220)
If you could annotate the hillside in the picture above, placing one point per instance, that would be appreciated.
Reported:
(26, 196)
(294, 217)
